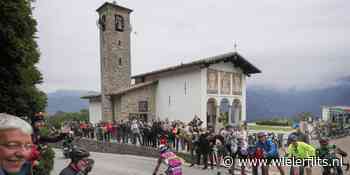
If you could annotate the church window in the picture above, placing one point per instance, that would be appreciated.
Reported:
(119, 43)
(102, 22)
(185, 87)
(169, 100)
(120, 61)
(143, 106)
(119, 23)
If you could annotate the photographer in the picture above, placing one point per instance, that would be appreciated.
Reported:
(80, 164)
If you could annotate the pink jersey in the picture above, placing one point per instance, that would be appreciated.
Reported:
(173, 162)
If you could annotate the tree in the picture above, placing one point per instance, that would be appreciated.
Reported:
(19, 55)
(60, 117)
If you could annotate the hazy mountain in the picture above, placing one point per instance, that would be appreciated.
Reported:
(66, 101)
(267, 103)
(262, 103)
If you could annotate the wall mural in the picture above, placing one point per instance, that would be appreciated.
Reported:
(212, 81)
(225, 83)
(237, 84)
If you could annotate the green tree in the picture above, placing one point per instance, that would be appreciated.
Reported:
(59, 117)
(19, 54)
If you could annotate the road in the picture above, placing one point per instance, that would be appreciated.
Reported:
(114, 164)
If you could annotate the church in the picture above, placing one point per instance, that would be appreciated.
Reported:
(213, 88)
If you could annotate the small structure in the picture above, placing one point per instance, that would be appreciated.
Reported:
(337, 114)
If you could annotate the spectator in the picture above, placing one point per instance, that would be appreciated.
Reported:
(15, 144)
(204, 148)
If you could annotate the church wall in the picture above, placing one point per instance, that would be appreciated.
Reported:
(228, 67)
(178, 96)
(95, 113)
(129, 102)
(116, 107)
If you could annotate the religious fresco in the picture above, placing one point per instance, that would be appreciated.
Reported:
(225, 83)
(212, 81)
(237, 84)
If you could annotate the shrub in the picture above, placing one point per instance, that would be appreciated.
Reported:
(274, 123)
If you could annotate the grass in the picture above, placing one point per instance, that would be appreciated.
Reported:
(270, 128)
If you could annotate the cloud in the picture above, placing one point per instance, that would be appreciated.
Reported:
(303, 45)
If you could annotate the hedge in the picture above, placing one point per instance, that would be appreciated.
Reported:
(274, 123)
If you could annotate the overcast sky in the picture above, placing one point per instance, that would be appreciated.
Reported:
(302, 45)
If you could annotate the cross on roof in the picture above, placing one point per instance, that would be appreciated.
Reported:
(235, 46)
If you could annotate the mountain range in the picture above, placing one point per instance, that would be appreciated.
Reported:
(268, 103)
(262, 102)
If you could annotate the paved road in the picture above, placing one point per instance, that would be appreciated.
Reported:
(114, 164)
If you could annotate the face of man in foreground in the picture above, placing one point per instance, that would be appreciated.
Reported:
(15, 148)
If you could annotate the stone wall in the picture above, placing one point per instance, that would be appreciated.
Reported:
(129, 102)
(115, 148)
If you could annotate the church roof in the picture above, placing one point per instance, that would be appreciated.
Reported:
(91, 94)
(233, 57)
(134, 87)
(114, 5)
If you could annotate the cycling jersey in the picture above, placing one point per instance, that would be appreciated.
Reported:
(269, 147)
(173, 163)
(302, 150)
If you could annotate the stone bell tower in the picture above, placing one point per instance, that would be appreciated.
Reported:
(115, 29)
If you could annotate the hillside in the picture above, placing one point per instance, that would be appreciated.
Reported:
(66, 101)
(266, 103)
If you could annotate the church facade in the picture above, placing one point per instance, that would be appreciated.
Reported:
(213, 88)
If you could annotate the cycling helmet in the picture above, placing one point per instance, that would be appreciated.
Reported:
(323, 141)
(261, 134)
(296, 126)
(78, 154)
(293, 138)
(162, 148)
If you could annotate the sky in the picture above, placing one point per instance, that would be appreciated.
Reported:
(303, 45)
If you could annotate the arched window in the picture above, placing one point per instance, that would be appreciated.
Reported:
(120, 61)
(119, 23)
(102, 22)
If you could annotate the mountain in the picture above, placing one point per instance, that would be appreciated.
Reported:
(262, 103)
(66, 101)
(265, 103)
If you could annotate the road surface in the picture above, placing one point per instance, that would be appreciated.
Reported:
(114, 164)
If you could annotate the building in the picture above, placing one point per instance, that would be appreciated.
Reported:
(337, 114)
(207, 87)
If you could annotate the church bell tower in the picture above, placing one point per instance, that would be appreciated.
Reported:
(115, 29)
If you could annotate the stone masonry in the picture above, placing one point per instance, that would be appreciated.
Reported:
(128, 102)
(114, 53)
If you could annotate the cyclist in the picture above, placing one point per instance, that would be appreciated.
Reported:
(301, 150)
(170, 159)
(270, 152)
(299, 134)
(329, 151)
(80, 164)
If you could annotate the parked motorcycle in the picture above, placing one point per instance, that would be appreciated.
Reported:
(67, 146)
